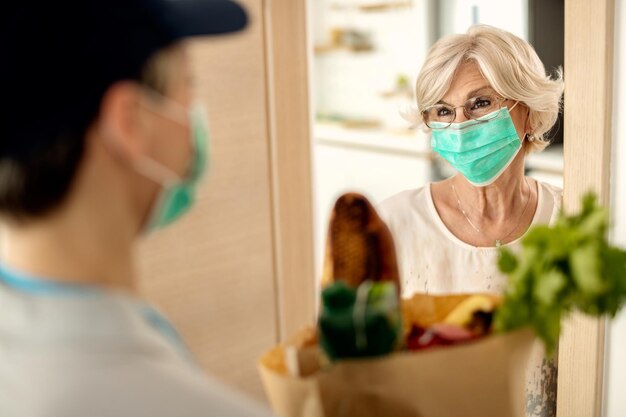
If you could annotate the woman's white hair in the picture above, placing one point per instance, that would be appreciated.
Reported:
(509, 64)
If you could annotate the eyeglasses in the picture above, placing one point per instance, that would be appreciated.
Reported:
(440, 116)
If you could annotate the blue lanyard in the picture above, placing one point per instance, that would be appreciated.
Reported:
(29, 284)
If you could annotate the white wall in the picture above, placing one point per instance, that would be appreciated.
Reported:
(371, 163)
(615, 404)
(511, 15)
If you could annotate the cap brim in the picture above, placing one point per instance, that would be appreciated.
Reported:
(205, 17)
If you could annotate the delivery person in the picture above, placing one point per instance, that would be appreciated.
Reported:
(100, 143)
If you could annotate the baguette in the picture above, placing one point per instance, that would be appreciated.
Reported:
(359, 245)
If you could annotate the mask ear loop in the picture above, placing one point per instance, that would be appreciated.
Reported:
(529, 136)
(513, 106)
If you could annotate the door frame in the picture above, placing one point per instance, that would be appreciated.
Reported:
(287, 57)
(588, 72)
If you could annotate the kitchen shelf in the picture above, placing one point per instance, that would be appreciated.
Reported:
(372, 7)
(407, 94)
(325, 49)
(406, 142)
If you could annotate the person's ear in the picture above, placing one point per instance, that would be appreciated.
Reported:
(120, 122)
(527, 127)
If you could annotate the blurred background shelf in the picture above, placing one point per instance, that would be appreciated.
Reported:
(404, 142)
(371, 7)
(326, 49)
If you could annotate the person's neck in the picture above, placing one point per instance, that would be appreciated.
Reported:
(495, 202)
(73, 246)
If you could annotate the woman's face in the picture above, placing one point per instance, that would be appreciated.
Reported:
(469, 83)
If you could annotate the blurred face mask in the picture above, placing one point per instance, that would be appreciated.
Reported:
(177, 193)
(481, 150)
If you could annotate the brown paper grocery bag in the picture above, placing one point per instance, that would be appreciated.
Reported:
(481, 378)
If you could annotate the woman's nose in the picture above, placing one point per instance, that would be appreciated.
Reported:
(459, 115)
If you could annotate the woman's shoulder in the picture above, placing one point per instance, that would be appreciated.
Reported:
(550, 202)
(554, 193)
(406, 207)
(551, 188)
(408, 200)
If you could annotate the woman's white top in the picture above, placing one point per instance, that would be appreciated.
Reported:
(433, 260)
(99, 354)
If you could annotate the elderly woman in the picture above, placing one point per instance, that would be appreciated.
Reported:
(487, 100)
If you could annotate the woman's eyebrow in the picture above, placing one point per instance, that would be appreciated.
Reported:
(473, 93)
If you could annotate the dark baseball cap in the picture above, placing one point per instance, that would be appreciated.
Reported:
(58, 58)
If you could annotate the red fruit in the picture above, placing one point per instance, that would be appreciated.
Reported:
(437, 335)
(452, 332)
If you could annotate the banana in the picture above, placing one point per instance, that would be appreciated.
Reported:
(463, 313)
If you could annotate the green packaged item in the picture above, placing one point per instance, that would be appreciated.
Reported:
(360, 322)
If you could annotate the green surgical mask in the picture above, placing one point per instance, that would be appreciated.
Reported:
(482, 149)
(177, 194)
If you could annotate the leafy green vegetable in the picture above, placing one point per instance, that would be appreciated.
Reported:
(567, 266)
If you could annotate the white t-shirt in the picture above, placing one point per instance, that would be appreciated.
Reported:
(433, 260)
(75, 353)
